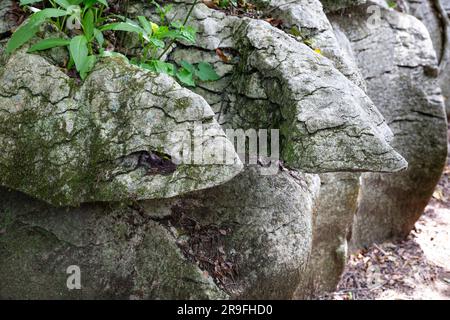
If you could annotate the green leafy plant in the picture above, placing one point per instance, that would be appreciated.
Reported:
(84, 22)
(78, 17)
(156, 40)
(227, 3)
(392, 4)
(202, 71)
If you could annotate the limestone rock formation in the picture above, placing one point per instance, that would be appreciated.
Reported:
(95, 174)
(337, 205)
(435, 16)
(290, 97)
(121, 254)
(119, 136)
(258, 100)
(249, 238)
(308, 23)
(399, 64)
(446, 5)
(6, 18)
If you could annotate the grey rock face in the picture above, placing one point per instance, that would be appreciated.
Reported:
(433, 14)
(253, 235)
(306, 115)
(173, 230)
(251, 94)
(121, 253)
(119, 136)
(398, 62)
(338, 195)
(338, 202)
(446, 5)
(311, 26)
(6, 17)
(290, 97)
(263, 90)
(334, 5)
(270, 222)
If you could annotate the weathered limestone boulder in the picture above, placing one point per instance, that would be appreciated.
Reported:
(249, 238)
(435, 17)
(255, 86)
(290, 97)
(248, 96)
(321, 126)
(446, 5)
(270, 219)
(399, 64)
(308, 23)
(337, 205)
(121, 254)
(338, 195)
(165, 228)
(118, 136)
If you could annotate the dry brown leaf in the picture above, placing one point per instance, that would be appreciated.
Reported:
(274, 22)
(210, 4)
(222, 56)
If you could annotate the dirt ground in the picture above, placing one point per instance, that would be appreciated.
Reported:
(415, 269)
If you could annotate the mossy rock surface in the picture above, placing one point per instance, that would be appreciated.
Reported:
(118, 136)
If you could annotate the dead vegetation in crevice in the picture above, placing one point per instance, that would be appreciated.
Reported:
(204, 245)
(239, 8)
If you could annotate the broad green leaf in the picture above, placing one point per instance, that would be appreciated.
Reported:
(21, 36)
(164, 67)
(189, 67)
(156, 42)
(27, 2)
(161, 32)
(87, 66)
(63, 3)
(206, 72)
(145, 24)
(79, 51)
(186, 77)
(27, 30)
(49, 43)
(185, 33)
(188, 34)
(135, 61)
(89, 3)
(176, 24)
(160, 67)
(123, 26)
(99, 37)
(88, 24)
(49, 13)
(92, 2)
(164, 33)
